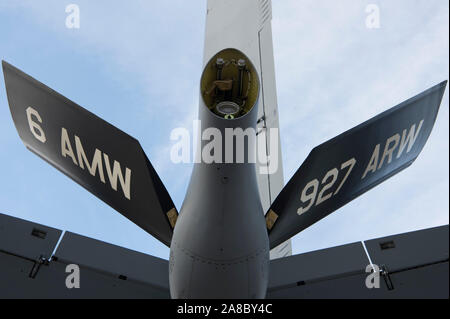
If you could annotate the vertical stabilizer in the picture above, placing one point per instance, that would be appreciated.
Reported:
(246, 26)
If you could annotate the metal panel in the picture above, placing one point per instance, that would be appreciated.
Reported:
(232, 26)
(270, 105)
(429, 282)
(417, 268)
(317, 265)
(411, 249)
(349, 287)
(262, 179)
(275, 179)
(26, 239)
(50, 282)
(14, 276)
(112, 259)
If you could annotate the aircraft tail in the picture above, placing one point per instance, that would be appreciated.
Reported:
(354, 162)
(248, 28)
(104, 160)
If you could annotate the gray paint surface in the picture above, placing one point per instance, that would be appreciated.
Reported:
(49, 282)
(106, 271)
(411, 249)
(247, 27)
(416, 268)
(318, 265)
(16, 238)
(336, 272)
(118, 261)
(346, 287)
(430, 282)
(220, 247)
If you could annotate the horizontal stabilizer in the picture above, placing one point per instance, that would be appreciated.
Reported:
(106, 161)
(352, 163)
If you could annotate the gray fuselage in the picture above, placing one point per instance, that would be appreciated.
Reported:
(220, 246)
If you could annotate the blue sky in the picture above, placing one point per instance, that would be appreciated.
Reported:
(137, 65)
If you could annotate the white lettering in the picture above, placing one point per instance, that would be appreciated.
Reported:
(180, 152)
(311, 197)
(388, 151)
(66, 147)
(96, 160)
(212, 152)
(117, 173)
(372, 167)
(35, 128)
(412, 136)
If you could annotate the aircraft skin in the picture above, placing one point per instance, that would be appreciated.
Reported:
(220, 246)
(220, 241)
